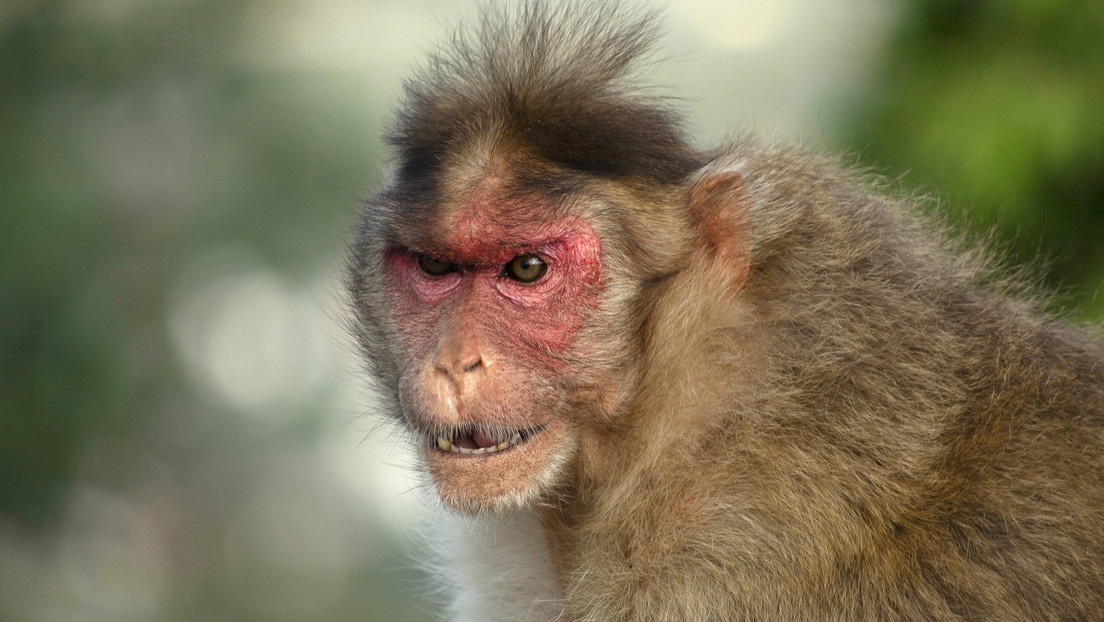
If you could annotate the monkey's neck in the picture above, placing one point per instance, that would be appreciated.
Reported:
(556, 529)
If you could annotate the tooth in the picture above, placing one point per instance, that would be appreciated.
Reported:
(445, 444)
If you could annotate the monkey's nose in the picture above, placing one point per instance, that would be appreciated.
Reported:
(462, 372)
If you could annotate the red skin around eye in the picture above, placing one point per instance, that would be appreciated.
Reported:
(534, 322)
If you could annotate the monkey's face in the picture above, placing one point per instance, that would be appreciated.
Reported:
(489, 308)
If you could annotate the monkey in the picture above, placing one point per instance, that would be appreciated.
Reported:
(746, 382)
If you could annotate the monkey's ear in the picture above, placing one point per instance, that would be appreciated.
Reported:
(719, 207)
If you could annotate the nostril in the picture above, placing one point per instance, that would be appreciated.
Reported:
(458, 369)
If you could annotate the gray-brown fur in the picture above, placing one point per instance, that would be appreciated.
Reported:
(876, 426)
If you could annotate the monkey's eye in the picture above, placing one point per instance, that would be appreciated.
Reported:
(435, 267)
(525, 268)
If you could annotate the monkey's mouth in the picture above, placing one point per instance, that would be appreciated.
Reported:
(490, 466)
(476, 441)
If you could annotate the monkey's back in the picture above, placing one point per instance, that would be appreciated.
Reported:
(954, 426)
(975, 416)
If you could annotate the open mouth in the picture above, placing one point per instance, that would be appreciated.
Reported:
(494, 466)
(476, 441)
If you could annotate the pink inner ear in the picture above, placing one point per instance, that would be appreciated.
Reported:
(719, 207)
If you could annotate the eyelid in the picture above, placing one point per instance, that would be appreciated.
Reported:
(422, 259)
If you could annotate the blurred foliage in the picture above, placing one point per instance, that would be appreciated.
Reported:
(998, 106)
(129, 149)
(151, 181)
(134, 145)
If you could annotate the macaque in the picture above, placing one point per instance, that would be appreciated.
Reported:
(660, 382)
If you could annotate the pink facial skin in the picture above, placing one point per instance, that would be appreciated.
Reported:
(532, 322)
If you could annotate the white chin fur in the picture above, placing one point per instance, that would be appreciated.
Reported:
(498, 567)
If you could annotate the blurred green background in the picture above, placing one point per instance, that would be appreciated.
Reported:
(183, 431)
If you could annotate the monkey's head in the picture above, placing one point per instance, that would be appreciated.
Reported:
(501, 280)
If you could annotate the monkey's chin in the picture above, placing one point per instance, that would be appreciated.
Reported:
(498, 481)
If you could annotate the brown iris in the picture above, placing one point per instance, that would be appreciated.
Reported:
(525, 268)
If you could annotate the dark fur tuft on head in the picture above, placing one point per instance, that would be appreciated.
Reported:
(552, 80)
